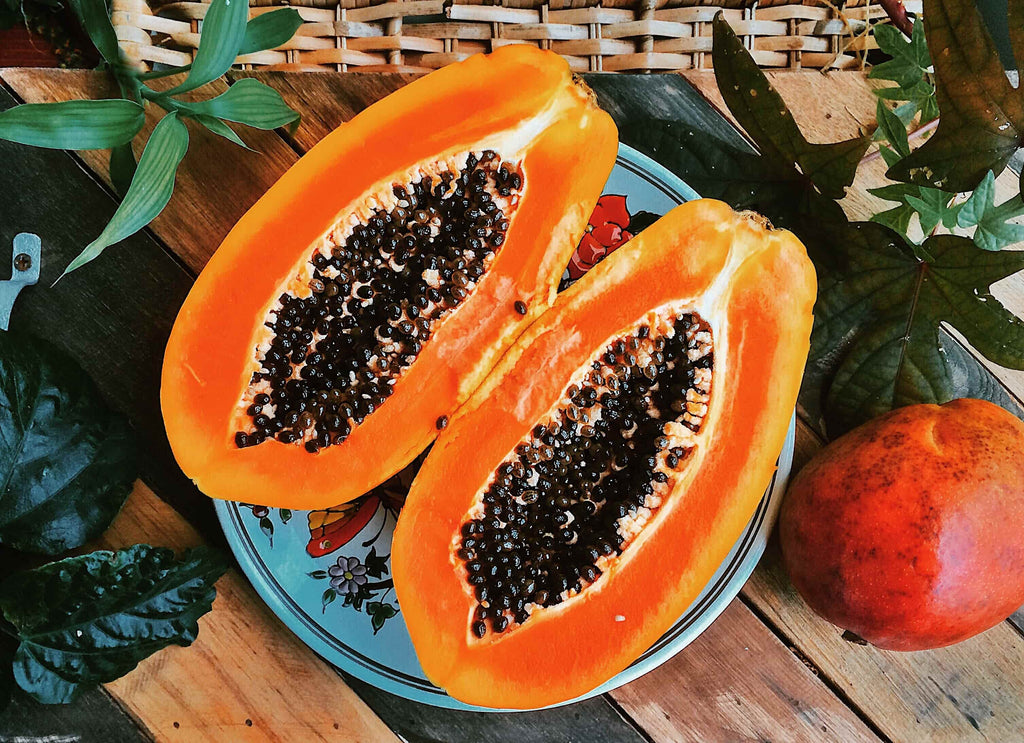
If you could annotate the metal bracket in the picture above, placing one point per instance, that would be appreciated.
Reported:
(25, 261)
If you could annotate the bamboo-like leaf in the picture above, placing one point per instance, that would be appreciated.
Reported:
(73, 125)
(122, 168)
(95, 19)
(270, 30)
(248, 102)
(219, 128)
(150, 190)
(222, 34)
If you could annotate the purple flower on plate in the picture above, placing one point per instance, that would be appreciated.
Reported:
(347, 575)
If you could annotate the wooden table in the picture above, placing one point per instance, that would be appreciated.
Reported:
(767, 669)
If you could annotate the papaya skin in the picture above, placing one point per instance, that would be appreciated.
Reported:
(755, 287)
(520, 96)
(907, 530)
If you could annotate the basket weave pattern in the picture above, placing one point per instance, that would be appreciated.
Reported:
(593, 35)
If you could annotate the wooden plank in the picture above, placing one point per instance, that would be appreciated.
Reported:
(246, 677)
(749, 687)
(218, 180)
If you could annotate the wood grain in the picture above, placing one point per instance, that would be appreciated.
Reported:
(246, 677)
(218, 180)
(747, 685)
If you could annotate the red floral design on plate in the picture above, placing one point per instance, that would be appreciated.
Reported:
(606, 231)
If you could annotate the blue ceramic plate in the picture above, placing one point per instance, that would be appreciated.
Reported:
(298, 560)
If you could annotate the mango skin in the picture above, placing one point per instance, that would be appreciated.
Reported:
(909, 531)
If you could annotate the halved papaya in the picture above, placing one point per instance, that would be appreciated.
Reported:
(587, 491)
(370, 290)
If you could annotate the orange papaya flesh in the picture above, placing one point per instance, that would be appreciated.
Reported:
(281, 383)
(562, 522)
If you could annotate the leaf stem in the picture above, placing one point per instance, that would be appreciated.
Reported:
(898, 15)
(157, 74)
(911, 136)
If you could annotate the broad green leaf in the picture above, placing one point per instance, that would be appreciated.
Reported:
(910, 58)
(89, 620)
(981, 121)
(220, 39)
(930, 205)
(893, 130)
(73, 125)
(67, 461)
(95, 19)
(218, 127)
(994, 230)
(248, 102)
(150, 190)
(763, 114)
(270, 30)
(122, 168)
(877, 340)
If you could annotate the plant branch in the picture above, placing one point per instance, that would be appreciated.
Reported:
(898, 15)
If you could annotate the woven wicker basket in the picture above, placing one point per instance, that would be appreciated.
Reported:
(593, 35)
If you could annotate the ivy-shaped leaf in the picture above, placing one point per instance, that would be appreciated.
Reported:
(930, 204)
(91, 619)
(763, 114)
(994, 230)
(67, 461)
(981, 121)
(379, 613)
(892, 128)
(909, 69)
(878, 322)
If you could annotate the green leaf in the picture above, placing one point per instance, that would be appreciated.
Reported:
(67, 461)
(89, 620)
(95, 19)
(73, 125)
(994, 230)
(248, 102)
(223, 31)
(981, 120)
(892, 129)
(762, 113)
(150, 190)
(318, 574)
(878, 341)
(285, 514)
(122, 168)
(909, 69)
(328, 597)
(930, 206)
(218, 127)
(376, 565)
(270, 30)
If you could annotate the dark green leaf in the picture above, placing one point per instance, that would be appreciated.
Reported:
(89, 620)
(762, 113)
(284, 514)
(248, 102)
(267, 526)
(218, 127)
(150, 190)
(270, 30)
(981, 120)
(222, 33)
(910, 58)
(376, 565)
(931, 207)
(67, 461)
(892, 129)
(95, 19)
(318, 574)
(329, 595)
(122, 168)
(73, 125)
(878, 342)
(994, 230)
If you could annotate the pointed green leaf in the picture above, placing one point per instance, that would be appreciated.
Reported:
(122, 168)
(994, 230)
(248, 102)
(270, 30)
(892, 129)
(73, 125)
(218, 127)
(981, 121)
(761, 111)
(150, 190)
(221, 37)
(930, 205)
(89, 620)
(95, 19)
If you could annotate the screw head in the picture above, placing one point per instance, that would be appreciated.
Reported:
(23, 261)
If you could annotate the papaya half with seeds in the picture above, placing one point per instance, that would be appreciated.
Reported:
(584, 495)
(371, 289)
